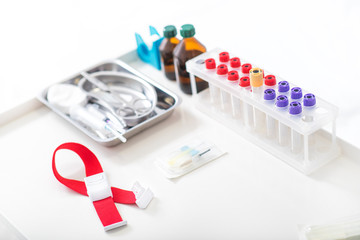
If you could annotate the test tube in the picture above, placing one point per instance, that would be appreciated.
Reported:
(224, 57)
(309, 103)
(245, 68)
(245, 83)
(282, 103)
(269, 97)
(256, 82)
(235, 62)
(283, 88)
(296, 93)
(295, 110)
(247, 108)
(210, 65)
(225, 96)
(222, 71)
(270, 82)
(233, 78)
(309, 106)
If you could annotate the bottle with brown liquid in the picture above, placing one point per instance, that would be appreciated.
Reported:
(166, 51)
(188, 48)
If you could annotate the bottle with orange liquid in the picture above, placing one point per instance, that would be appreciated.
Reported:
(188, 48)
(166, 49)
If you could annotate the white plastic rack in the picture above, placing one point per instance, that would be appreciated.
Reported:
(298, 138)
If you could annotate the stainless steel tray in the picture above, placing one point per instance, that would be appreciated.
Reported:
(165, 103)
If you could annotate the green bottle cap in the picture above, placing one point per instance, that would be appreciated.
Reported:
(170, 31)
(187, 30)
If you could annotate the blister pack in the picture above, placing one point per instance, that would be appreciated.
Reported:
(188, 157)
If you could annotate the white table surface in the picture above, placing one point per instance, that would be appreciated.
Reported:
(248, 194)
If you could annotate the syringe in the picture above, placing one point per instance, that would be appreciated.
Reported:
(96, 120)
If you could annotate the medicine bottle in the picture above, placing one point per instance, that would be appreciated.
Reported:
(188, 48)
(166, 51)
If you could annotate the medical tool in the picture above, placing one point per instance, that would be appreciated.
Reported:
(253, 116)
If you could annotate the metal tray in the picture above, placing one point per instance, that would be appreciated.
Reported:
(165, 103)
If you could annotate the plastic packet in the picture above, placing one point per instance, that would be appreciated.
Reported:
(187, 157)
(344, 229)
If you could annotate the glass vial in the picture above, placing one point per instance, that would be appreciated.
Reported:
(188, 48)
(166, 51)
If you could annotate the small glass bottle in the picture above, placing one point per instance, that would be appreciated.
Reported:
(188, 48)
(166, 51)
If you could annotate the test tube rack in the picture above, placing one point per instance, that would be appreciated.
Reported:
(302, 136)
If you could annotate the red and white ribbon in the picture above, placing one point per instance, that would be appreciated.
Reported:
(99, 191)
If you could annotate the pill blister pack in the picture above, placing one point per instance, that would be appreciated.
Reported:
(291, 123)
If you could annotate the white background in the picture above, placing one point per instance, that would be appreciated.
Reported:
(249, 194)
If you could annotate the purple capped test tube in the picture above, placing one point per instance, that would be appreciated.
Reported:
(283, 87)
(282, 103)
(296, 93)
(309, 102)
(295, 110)
(269, 97)
(269, 94)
